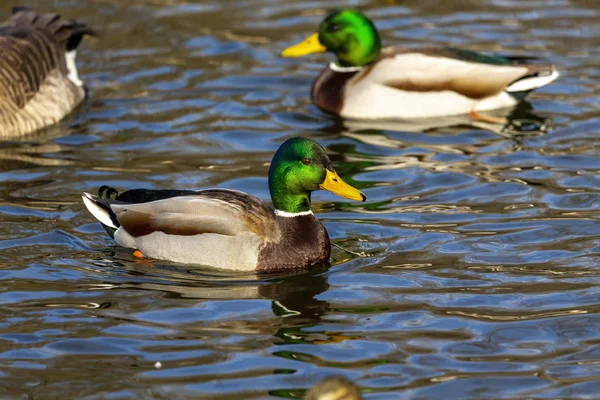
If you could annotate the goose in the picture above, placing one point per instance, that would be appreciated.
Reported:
(39, 84)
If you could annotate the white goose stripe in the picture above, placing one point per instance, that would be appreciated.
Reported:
(70, 60)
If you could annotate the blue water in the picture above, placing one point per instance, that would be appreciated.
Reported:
(470, 272)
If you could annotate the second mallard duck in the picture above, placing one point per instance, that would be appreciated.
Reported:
(368, 82)
(226, 228)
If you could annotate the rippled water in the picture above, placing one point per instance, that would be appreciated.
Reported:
(471, 272)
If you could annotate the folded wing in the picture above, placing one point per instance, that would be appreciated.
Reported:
(218, 211)
(471, 74)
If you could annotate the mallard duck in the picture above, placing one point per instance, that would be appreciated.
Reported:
(368, 82)
(229, 229)
(334, 388)
(39, 84)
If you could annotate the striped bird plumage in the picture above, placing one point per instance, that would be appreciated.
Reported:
(39, 84)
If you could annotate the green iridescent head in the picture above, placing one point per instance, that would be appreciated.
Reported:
(299, 167)
(347, 33)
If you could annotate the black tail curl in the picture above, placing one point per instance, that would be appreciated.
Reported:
(108, 193)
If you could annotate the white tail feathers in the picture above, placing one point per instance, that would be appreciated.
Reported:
(97, 211)
(526, 84)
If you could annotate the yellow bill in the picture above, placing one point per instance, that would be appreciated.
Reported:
(335, 184)
(310, 45)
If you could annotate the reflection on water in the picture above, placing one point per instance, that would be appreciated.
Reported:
(470, 270)
(292, 294)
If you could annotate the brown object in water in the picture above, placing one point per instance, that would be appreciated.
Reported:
(334, 388)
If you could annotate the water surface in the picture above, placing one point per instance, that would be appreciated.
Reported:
(471, 270)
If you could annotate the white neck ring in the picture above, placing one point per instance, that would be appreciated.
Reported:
(286, 214)
(337, 68)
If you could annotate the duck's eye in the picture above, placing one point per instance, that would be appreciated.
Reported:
(334, 28)
(306, 161)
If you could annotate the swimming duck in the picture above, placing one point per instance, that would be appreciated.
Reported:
(39, 84)
(370, 82)
(334, 388)
(226, 228)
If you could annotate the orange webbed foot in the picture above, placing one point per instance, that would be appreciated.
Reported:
(487, 118)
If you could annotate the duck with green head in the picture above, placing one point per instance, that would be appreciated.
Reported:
(370, 82)
(226, 228)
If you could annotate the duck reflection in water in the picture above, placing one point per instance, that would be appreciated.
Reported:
(292, 294)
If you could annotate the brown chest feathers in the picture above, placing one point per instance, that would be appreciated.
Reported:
(304, 242)
(328, 89)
